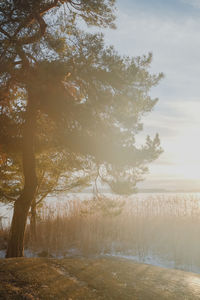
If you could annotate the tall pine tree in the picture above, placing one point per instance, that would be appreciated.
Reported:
(94, 97)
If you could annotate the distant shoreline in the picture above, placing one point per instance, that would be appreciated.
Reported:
(140, 191)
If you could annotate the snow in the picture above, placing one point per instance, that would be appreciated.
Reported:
(156, 261)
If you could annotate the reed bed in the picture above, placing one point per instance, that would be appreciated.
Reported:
(159, 229)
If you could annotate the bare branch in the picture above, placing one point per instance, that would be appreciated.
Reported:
(5, 33)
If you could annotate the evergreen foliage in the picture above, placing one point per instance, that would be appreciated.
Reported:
(68, 102)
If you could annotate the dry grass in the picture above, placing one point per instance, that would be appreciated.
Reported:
(162, 228)
(157, 229)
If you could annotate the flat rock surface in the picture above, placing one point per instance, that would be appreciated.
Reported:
(100, 278)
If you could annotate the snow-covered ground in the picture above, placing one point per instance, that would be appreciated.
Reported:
(157, 261)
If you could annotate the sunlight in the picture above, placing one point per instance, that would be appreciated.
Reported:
(100, 149)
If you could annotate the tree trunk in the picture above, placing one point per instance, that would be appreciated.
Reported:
(33, 231)
(23, 203)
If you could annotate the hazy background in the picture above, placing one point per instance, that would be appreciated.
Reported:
(171, 31)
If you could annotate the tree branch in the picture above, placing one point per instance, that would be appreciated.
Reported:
(34, 38)
(5, 33)
(8, 197)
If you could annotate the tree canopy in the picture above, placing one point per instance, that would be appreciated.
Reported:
(62, 90)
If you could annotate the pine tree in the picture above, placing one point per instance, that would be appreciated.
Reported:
(93, 97)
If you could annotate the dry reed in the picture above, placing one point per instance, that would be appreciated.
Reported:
(159, 229)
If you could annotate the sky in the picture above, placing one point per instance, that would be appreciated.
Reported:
(170, 29)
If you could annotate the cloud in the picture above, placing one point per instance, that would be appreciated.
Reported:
(194, 3)
(179, 133)
(175, 44)
(174, 40)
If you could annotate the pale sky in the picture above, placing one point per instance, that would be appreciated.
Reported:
(170, 29)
